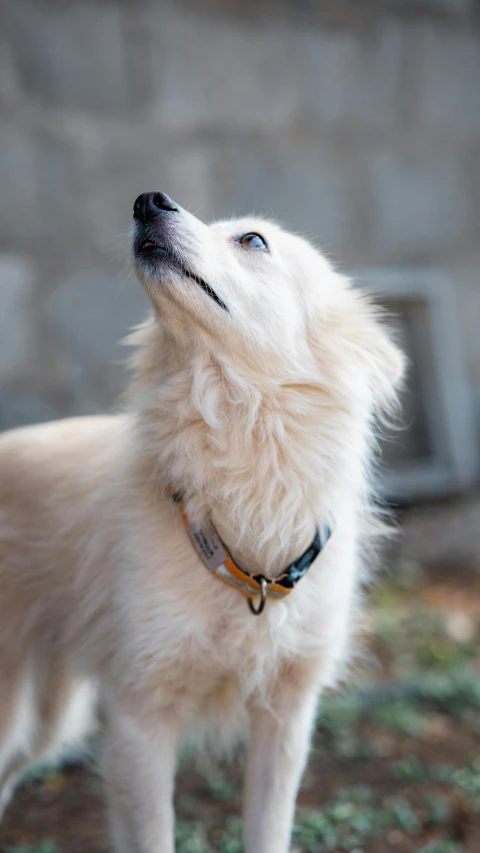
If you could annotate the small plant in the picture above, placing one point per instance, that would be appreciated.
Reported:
(400, 715)
(191, 837)
(410, 769)
(438, 809)
(218, 785)
(405, 816)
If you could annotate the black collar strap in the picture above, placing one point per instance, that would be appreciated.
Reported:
(219, 562)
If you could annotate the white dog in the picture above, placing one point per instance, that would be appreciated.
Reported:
(250, 421)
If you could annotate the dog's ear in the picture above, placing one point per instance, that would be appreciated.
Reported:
(357, 350)
(384, 360)
(375, 347)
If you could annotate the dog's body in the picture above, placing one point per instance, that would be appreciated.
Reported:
(254, 396)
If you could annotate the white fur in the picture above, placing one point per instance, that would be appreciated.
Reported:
(19, 737)
(264, 416)
(76, 724)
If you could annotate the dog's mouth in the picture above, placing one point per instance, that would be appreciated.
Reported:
(152, 250)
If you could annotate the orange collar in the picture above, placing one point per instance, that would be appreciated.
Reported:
(219, 562)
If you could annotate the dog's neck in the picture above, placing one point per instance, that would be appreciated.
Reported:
(246, 456)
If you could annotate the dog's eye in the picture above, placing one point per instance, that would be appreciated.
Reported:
(253, 241)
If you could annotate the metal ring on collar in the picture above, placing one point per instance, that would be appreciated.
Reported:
(263, 593)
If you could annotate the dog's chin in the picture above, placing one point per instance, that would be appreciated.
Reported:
(156, 271)
(158, 264)
(181, 306)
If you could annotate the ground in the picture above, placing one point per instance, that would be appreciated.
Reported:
(396, 759)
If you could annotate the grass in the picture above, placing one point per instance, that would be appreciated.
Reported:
(464, 780)
(348, 822)
(217, 783)
(43, 847)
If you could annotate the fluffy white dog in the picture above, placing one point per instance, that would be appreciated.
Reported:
(257, 386)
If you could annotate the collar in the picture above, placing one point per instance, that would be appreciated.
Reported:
(219, 562)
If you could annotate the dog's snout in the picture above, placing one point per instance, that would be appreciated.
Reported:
(149, 205)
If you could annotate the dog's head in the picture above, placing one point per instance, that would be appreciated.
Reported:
(248, 290)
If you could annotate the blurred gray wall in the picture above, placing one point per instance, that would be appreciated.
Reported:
(357, 123)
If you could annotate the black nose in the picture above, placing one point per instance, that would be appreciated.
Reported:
(149, 205)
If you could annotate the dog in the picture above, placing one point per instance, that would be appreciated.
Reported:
(194, 563)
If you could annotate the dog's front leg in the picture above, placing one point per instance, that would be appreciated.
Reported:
(278, 750)
(139, 766)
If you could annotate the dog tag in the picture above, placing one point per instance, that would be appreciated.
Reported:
(208, 545)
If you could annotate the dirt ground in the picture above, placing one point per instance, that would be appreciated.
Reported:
(395, 764)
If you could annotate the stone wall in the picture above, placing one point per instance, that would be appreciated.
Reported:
(357, 123)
